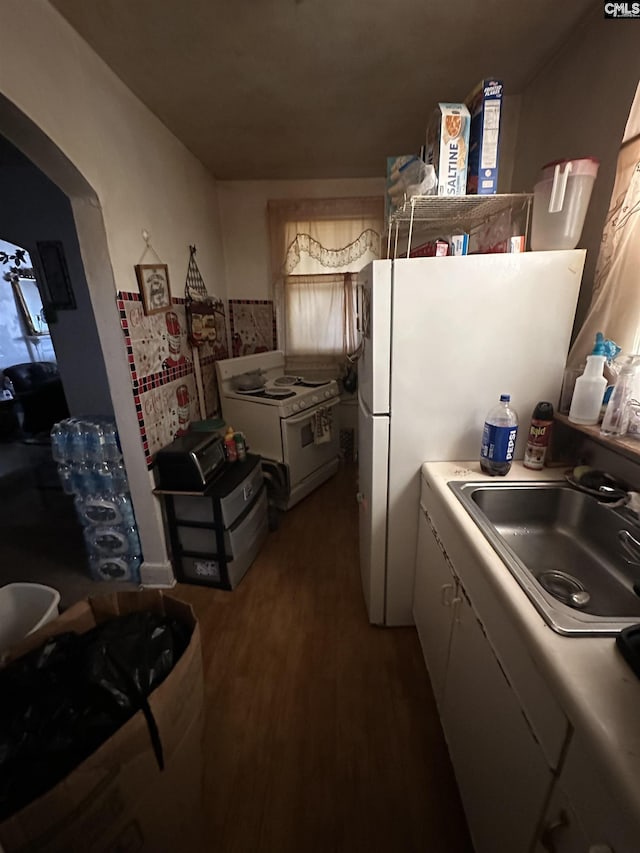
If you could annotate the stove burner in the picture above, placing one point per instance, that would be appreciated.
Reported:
(313, 383)
(286, 380)
(266, 394)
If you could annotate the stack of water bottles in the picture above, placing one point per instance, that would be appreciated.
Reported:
(90, 467)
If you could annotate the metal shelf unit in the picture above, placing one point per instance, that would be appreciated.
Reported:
(448, 214)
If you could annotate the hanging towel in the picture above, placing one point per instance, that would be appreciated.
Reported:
(322, 423)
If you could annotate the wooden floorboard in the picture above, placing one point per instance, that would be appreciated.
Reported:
(321, 731)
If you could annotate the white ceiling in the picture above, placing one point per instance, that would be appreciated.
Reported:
(275, 89)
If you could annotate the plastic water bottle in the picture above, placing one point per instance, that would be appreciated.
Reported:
(77, 441)
(112, 449)
(499, 438)
(59, 442)
(65, 475)
(119, 477)
(125, 507)
(115, 568)
(104, 478)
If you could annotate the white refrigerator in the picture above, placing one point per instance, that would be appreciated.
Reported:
(442, 339)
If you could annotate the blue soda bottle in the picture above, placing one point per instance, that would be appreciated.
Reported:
(499, 438)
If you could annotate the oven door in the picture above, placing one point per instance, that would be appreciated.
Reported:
(304, 451)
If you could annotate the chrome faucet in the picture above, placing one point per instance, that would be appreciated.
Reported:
(631, 546)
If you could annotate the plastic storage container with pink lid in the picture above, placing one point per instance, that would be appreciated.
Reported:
(560, 201)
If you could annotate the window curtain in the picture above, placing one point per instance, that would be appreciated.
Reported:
(317, 246)
(615, 303)
(320, 314)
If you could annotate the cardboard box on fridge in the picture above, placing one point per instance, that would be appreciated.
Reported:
(485, 108)
(447, 147)
(118, 800)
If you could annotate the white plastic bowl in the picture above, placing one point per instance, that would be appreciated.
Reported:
(25, 607)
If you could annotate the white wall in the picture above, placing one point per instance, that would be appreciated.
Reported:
(577, 106)
(124, 172)
(243, 218)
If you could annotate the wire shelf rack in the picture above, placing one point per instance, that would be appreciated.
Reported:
(438, 215)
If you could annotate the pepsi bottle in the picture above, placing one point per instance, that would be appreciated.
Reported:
(499, 438)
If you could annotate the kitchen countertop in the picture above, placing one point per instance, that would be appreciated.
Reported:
(597, 690)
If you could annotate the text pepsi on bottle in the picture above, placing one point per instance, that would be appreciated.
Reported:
(499, 438)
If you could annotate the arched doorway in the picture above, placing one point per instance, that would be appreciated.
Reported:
(88, 340)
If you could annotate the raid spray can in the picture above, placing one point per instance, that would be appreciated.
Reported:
(539, 436)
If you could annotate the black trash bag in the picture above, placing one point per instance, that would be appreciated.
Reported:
(62, 701)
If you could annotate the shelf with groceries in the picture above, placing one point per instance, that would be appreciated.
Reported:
(444, 200)
(484, 223)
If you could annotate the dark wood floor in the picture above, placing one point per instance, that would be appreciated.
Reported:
(321, 730)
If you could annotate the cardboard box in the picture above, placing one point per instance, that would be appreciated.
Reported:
(118, 800)
(485, 108)
(431, 249)
(459, 244)
(447, 147)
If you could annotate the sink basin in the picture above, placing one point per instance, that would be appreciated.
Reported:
(576, 559)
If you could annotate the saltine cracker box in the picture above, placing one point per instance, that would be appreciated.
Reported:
(447, 147)
(485, 107)
(118, 799)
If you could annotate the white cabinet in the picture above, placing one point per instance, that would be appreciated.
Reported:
(529, 781)
(434, 597)
(561, 831)
(503, 757)
(501, 772)
(583, 815)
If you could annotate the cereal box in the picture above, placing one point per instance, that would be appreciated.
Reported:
(448, 147)
(485, 106)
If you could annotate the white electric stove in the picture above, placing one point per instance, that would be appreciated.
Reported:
(286, 419)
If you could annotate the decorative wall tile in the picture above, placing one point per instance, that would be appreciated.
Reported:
(167, 411)
(162, 371)
(158, 342)
(253, 326)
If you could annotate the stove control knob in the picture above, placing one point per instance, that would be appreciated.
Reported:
(295, 407)
(315, 398)
(327, 394)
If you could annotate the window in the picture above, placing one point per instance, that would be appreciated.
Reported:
(320, 315)
(318, 246)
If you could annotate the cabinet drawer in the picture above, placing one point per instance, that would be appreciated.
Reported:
(200, 509)
(203, 540)
(235, 503)
(228, 571)
(193, 508)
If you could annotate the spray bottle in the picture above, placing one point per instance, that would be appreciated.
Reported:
(616, 418)
(589, 389)
(539, 436)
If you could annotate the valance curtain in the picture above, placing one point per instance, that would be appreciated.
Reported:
(317, 246)
(615, 302)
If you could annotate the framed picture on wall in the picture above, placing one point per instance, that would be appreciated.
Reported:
(153, 281)
(55, 273)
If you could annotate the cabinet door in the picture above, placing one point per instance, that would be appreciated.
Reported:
(502, 775)
(584, 813)
(433, 595)
(560, 831)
